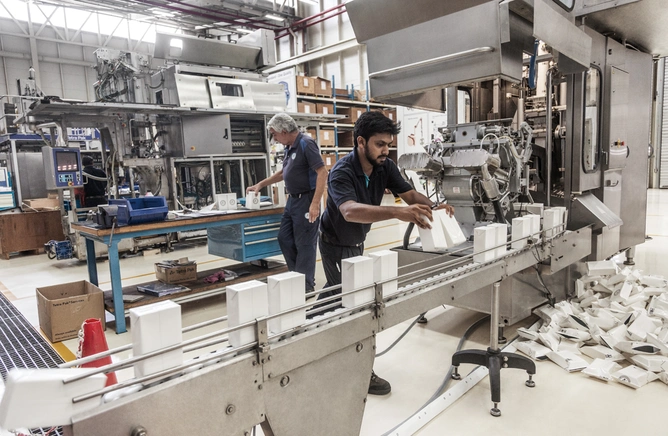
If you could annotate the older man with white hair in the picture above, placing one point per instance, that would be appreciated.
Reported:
(305, 177)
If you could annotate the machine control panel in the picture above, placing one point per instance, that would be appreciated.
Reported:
(62, 167)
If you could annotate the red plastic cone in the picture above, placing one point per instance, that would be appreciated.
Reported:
(92, 342)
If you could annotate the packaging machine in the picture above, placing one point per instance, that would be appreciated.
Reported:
(578, 140)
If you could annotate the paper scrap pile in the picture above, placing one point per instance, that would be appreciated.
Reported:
(615, 329)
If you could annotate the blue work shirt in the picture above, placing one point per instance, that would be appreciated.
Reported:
(347, 181)
(301, 161)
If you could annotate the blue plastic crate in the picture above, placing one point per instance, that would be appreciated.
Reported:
(140, 210)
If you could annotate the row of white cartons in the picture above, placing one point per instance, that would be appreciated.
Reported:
(444, 232)
(254, 299)
(360, 273)
(617, 317)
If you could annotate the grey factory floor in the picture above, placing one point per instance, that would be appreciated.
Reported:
(561, 403)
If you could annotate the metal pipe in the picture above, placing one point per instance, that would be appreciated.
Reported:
(548, 137)
(318, 14)
(494, 320)
(293, 28)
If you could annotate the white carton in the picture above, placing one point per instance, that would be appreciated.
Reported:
(226, 201)
(533, 349)
(433, 239)
(535, 209)
(501, 239)
(286, 291)
(569, 361)
(453, 233)
(634, 376)
(521, 231)
(39, 398)
(651, 363)
(653, 281)
(484, 241)
(636, 347)
(534, 226)
(552, 224)
(385, 267)
(155, 327)
(357, 273)
(603, 268)
(602, 352)
(245, 302)
(642, 325)
(252, 200)
(602, 369)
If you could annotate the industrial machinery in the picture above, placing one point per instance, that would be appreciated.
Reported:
(578, 142)
(187, 131)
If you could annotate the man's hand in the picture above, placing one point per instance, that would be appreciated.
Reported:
(254, 188)
(448, 209)
(313, 212)
(416, 214)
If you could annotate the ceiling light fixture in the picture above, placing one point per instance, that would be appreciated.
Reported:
(311, 2)
(274, 17)
(242, 30)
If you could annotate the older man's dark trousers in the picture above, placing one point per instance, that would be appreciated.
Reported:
(298, 238)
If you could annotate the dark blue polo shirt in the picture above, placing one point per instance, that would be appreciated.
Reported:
(302, 158)
(346, 182)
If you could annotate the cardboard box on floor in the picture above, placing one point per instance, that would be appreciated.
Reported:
(63, 308)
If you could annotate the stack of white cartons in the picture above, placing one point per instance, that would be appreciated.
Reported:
(386, 267)
(245, 302)
(154, 327)
(286, 291)
(357, 273)
(618, 317)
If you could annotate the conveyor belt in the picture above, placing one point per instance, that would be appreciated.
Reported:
(21, 346)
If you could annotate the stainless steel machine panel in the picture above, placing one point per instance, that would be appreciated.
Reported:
(634, 188)
(192, 91)
(395, 57)
(206, 135)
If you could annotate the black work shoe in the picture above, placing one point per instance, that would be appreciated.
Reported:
(379, 386)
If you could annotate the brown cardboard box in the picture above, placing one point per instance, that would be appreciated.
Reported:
(324, 108)
(41, 204)
(63, 308)
(323, 87)
(329, 159)
(346, 139)
(360, 95)
(351, 113)
(391, 114)
(311, 132)
(176, 274)
(305, 85)
(306, 107)
(342, 93)
(28, 231)
(327, 138)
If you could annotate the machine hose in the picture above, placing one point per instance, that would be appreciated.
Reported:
(499, 212)
(407, 235)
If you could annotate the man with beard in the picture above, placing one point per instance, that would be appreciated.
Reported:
(356, 186)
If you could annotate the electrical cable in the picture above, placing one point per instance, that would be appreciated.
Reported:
(401, 337)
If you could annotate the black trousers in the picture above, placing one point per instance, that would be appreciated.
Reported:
(331, 256)
(298, 237)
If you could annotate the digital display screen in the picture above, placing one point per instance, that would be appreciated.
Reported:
(67, 161)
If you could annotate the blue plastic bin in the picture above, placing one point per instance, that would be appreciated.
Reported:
(140, 210)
